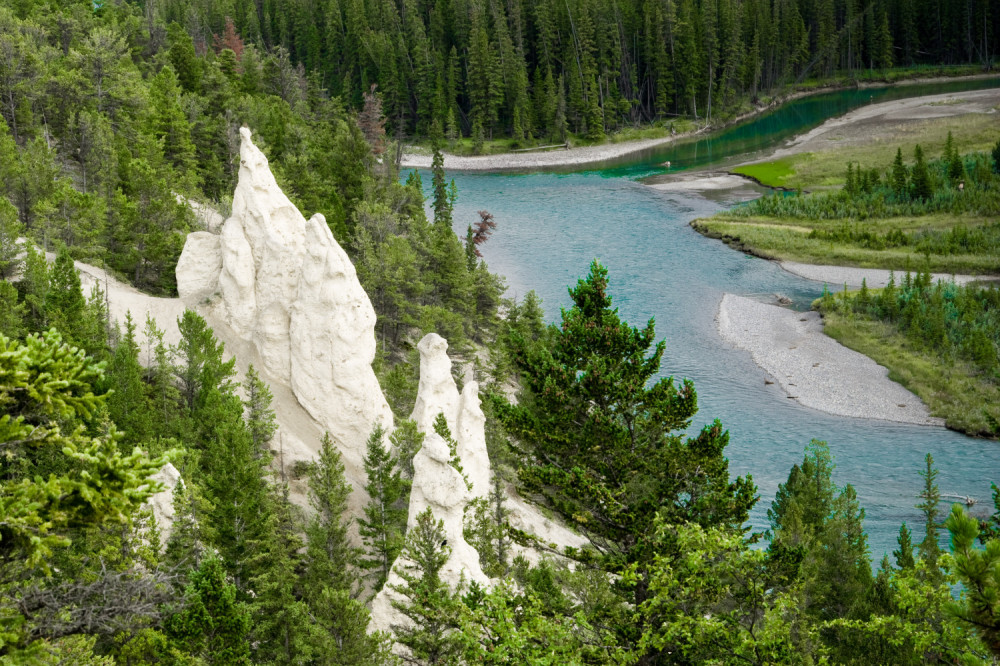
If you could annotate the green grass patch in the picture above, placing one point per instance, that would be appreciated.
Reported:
(826, 169)
(771, 174)
(951, 389)
(788, 240)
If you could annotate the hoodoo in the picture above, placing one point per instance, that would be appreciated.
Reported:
(283, 283)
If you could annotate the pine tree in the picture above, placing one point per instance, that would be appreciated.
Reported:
(64, 303)
(430, 605)
(904, 556)
(127, 404)
(921, 187)
(329, 585)
(12, 312)
(899, 174)
(329, 554)
(260, 418)
(213, 625)
(384, 524)
(442, 199)
(10, 230)
(929, 549)
(236, 484)
(201, 368)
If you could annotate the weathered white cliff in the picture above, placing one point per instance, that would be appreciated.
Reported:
(283, 283)
(162, 503)
(437, 393)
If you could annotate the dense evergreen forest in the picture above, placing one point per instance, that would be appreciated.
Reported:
(542, 69)
(111, 110)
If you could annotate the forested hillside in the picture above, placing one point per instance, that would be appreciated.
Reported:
(540, 69)
(114, 113)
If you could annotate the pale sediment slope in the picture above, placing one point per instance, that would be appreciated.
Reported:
(814, 369)
(875, 278)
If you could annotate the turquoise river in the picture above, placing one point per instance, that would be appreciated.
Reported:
(552, 224)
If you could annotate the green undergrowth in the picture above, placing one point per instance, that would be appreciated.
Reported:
(849, 243)
(952, 389)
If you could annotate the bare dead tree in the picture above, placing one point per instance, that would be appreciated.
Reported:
(114, 602)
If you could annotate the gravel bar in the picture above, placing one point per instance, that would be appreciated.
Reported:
(814, 369)
(875, 278)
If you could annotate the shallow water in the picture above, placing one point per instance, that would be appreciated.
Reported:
(551, 225)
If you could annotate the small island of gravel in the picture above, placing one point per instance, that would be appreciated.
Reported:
(814, 369)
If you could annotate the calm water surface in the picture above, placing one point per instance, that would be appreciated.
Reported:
(551, 225)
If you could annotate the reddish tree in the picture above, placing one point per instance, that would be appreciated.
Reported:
(372, 122)
(230, 40)
(482, 229)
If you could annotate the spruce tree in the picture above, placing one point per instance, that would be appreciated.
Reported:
(431, 606)
(128, 405)
(260, 417)
(213, 624)
(921, 187)
(65, 305)
(904, 556)
(929, 548)
(384, 522)
(330, 586)
(899, 174)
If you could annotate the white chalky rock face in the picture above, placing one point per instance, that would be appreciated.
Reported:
(199, 266)
(438, 394)
(290, 289)
(470, 433)
(436, 484)
(162, 503)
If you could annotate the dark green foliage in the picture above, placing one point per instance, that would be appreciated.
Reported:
(430, 604)
(808, 513)
(904, 556)
(596, 433)
(921, 187)
(384, 522)
(603, 452)
(128, 405)
(958, 322)
(938, 186)
(212, 624)
(929, 549)
(260, 417)
(979, 572)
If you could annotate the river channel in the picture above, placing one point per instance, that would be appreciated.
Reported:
(552, 224)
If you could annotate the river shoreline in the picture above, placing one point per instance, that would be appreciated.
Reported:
(584, 156)
(814, 369)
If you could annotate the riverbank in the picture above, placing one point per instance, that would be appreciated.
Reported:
(813, 368)
(584, 156)
(874, 278)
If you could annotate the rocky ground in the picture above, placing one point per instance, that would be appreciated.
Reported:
(874, 278)
(814, 369)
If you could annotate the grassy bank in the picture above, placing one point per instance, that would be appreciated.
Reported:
(952, 389)
(809, 241)
(826, 169)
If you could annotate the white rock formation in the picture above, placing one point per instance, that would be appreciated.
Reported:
(199, 265)
(438, 394)
(436, 484)
(283, 283)
(162, 503)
